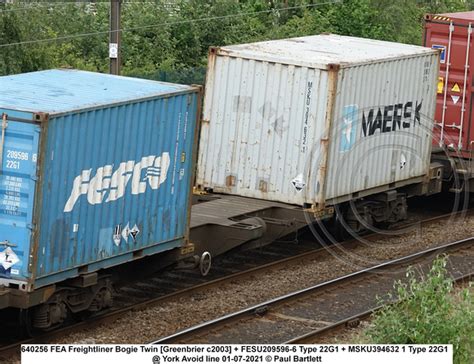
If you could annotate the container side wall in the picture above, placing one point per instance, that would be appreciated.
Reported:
(261, 122)
(382, 127)
(116, 180)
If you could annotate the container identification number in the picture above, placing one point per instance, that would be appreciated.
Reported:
(15, 154)
(14, 157)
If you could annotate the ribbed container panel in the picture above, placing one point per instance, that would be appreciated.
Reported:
(382, 125)
(260, 121)
(111, 173)
(315, 119)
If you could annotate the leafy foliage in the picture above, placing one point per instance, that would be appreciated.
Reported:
(428, 313)
(166, 39)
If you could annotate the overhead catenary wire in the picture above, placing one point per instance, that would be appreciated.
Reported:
(211, 18)
(36, 5)
(45, 4)
(51, 4)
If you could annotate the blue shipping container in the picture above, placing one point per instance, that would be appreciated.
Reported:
(96, 170)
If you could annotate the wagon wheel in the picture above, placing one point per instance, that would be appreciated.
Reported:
(205, 263)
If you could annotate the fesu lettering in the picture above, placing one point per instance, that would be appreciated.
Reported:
(391, 118)
(109, 185)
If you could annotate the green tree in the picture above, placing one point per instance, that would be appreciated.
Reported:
(171, 43)
(428, 312)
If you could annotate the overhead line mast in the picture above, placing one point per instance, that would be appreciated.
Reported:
(114, 43)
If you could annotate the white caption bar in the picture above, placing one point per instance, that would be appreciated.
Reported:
(161, 354)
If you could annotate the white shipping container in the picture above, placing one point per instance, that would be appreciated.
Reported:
(317, 120)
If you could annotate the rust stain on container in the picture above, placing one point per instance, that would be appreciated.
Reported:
(293, 116)
(230, 181)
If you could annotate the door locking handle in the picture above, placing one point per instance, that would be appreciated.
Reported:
(6, 243)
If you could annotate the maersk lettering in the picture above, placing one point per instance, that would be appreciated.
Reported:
(391, 118)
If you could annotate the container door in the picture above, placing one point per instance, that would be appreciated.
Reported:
(18, 154)
(454, 94)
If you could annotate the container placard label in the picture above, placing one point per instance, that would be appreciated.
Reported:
(298, 182)
(8, 258)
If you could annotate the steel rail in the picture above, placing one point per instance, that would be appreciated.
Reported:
(351, 322)
(118, 313)
(263, 307)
